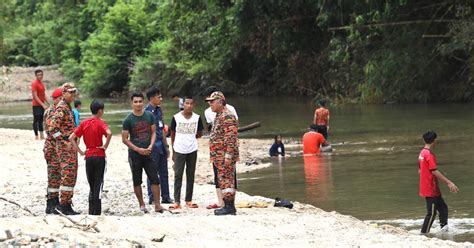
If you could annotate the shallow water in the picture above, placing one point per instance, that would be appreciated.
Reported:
(372, 174)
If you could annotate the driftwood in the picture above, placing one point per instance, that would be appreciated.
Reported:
(24, 208)
(14, 203)
(83, 227)
(159, 239)
(249, 127)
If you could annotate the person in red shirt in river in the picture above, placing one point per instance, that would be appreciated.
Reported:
(312, 141)
(93, 129)
(429, 188)
(321, 118)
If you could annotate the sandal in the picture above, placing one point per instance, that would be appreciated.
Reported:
(175, 206)
(213, 206)
(191, 205)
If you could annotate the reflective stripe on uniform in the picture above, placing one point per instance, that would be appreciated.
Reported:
(228, 190)
(66, 188)
(53, 190)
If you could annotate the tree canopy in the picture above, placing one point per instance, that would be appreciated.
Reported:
(359, 51)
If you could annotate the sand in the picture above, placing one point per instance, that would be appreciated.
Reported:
(23, 180)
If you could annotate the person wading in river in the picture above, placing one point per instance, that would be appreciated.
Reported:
(429, 188)
(321, 119)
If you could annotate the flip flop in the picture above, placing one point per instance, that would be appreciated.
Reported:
(212, 206)
(144, 210)
(174, 207)
(191, 205)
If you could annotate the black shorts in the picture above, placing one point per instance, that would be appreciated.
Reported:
(216, 180)
(138, 163)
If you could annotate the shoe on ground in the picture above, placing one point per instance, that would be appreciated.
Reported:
(51, 205)
(226, 210)
(444, 228)
(66, 209)
(167, 201)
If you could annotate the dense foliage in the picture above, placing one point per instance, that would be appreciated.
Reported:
(366, 51)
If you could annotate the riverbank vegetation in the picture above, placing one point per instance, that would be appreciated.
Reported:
(365, 51)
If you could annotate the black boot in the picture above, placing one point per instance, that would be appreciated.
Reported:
(51, 205)
(66, 209)
(228, 209)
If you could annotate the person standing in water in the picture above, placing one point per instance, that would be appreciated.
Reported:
(321, 118)
(429, 188)
(277, 149)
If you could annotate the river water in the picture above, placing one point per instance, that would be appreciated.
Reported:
(372, 174)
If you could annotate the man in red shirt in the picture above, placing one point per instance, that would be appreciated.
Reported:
(39, 103)
(429, 188)
(312, 141)
(321, 118)
(93, 129)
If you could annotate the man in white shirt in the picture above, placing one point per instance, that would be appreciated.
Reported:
(186, 128)
(210, 116)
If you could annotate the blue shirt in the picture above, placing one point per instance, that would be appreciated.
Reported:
(76, 117)
(156, 111)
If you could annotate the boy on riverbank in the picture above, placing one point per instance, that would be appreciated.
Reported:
(139, 134)
(429, 188)
(93, 129)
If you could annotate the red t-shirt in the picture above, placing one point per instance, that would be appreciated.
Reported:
(322, 116)
(38, 86)
(93, 129)
(428, 183)
(311, 142)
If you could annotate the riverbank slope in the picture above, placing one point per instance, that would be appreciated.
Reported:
(23, 180)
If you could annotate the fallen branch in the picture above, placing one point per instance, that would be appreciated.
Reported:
(159, 239)
(14, 203)
(135, 243)
(80, 226)
(392, 24)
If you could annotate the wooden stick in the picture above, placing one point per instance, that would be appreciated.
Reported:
(14, 203)
(81, 226)
(391, 24)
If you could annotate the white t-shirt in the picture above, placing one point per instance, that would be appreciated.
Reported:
(185, 141)
(210, 116)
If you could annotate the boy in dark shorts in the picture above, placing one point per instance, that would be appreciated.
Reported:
(140, 127)
(93, 129)
(429, 188)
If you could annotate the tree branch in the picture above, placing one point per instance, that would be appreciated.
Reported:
(392, 24)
